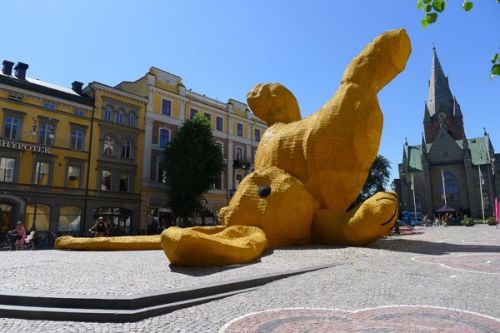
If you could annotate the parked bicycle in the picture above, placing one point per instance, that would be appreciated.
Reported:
(10, 238)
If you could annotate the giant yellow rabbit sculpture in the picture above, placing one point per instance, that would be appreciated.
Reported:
(307, 171)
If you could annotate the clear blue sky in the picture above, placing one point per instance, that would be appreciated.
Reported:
(221, 48)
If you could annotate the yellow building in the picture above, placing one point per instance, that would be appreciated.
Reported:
(44, 149)
(169, 103)
(116, 158)
(68, 156)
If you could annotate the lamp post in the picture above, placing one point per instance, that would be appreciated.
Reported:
(37, 177)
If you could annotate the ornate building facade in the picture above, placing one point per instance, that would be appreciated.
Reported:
(447, 168)
(169, 103)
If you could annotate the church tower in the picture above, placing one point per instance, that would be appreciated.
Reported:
(441, 108)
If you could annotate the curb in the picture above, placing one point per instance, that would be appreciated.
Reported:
(129, 308)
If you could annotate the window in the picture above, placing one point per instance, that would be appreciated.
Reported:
(49, 105)
(46, 134)
(217, 185)
(42, 170)
(39, 216)
(79, 113)
(12, 128)
(208, 116)
(123, 182)
(239, 178)
(132, 120)
(7, 169)
(77, 136)
(69, 219)
(119, 117)
(166, 107)
(74, 176)
(220, 146)
(239, 129)
(108, 113)
(161, 174)
(106, 180)
(193, 113)
(164, 137)
(109, 145)
(257, 135)
(126, 149)
(451, 188)
(219, 123)
(239, 154)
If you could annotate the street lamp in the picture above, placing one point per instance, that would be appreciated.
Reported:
(37, 176)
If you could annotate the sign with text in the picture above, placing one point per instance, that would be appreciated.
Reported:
(24, 146)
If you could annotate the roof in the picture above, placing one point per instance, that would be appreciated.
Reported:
(478, 148)
(44, 88)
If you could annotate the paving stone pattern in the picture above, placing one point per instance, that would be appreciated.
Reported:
(362, 283)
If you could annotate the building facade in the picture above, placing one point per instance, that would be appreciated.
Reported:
(235, 128)
(114, 190)
(447, 168)
(44, 151)
(68, 156)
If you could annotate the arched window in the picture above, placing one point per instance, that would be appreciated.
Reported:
(239, 154)
(126, 149)
(132, 119)
(39, 216)
(69, 219)
(451, 189)
(109, 145)
(119, 117)
(164, 137)
(108, 113)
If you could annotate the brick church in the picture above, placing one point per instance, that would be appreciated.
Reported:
(448, 170)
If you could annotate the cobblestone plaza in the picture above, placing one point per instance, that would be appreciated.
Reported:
(440, 278)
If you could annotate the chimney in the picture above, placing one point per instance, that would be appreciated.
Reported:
(20, 70)
(77, 87)
(7, 67)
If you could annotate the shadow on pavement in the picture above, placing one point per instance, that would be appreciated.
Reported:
(431, 248)
(204, 271)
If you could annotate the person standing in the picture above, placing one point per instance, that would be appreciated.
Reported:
(100, 228)
(21, 236)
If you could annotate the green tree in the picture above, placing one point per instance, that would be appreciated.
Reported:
(191, 162)
(377, 179)
(432, 8)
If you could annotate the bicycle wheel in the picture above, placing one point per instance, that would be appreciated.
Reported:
(5, 246)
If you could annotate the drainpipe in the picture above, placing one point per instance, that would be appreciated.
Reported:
(85, 202)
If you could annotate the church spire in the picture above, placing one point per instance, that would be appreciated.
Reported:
(457, 113)
(440, 97)
(427, 116)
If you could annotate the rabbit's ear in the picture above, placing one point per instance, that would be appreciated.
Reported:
(380, 61)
